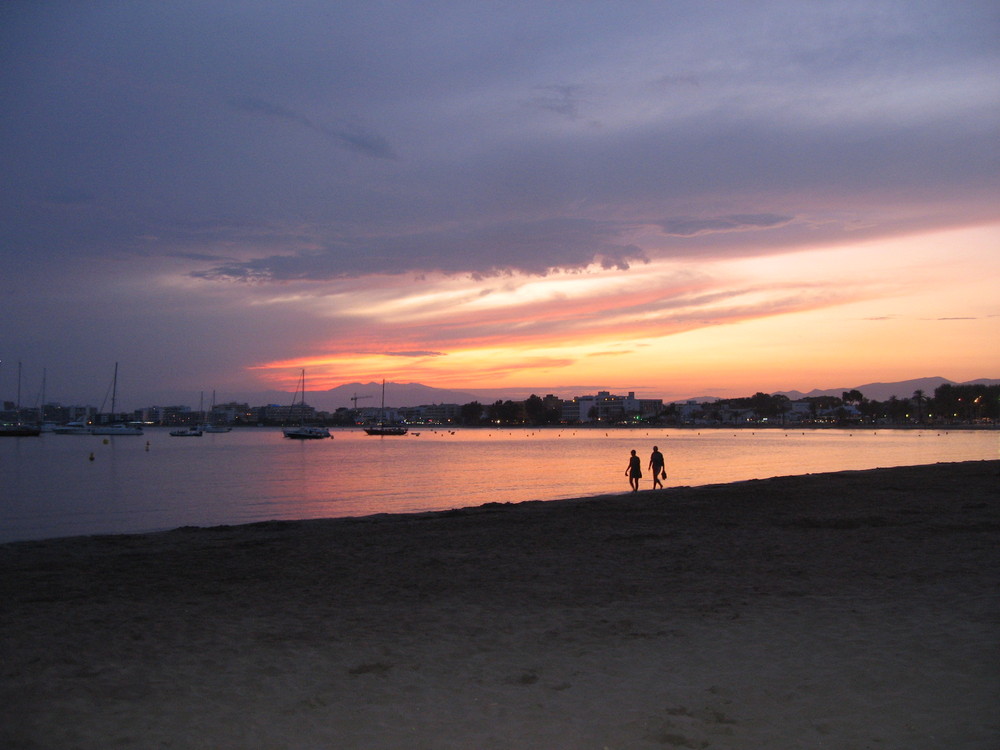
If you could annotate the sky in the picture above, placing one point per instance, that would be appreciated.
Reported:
(679, 198)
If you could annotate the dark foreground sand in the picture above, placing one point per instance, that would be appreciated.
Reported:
(849, 610)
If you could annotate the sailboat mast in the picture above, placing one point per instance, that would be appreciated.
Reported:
(383, 402)
(114, 392)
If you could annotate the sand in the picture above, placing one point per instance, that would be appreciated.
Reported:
(847, 610)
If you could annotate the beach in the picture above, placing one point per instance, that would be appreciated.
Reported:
(846, 610)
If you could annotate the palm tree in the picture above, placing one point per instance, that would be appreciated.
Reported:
(918, 395)
(893, 408)
(853, 397)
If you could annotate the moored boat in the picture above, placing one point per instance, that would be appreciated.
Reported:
(72, 428)
(19, 429)
(187, 432)
(382, 429)
(115, 428)
(304, 431)
(386, 429)
(207, 426)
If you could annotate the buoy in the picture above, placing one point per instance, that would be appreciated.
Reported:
(91, 456)
(105, 441)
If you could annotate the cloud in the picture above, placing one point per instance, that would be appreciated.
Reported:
(207, 257)
(414, 354)
(693, 227)
(530, 247)
(145, 148)
(351, 136)
(614, 311)
(253, 105)
(563, 100)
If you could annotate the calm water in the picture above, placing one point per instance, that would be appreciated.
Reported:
(50, 488)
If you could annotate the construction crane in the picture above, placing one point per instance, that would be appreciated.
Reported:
(355, 398)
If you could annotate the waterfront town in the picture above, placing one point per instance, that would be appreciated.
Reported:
(947, 405)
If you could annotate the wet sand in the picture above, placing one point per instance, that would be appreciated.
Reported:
(846, 610)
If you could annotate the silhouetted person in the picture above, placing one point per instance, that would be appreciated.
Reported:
(634, 472)
(656, 463)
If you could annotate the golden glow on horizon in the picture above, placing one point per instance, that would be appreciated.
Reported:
(879, 310)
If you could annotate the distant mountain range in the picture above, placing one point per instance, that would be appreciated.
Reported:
(885, 391)
(396, 394)
(416, 394)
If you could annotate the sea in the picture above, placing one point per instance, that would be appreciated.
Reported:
(71, 485)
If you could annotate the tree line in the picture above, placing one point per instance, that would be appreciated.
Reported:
(950, 404)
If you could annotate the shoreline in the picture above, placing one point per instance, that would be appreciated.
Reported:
(857, 608)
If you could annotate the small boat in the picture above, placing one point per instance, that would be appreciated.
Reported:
(304, 431)
(72, 428)
(187, 432)
(19, 429)
(382, 429)
(386, 429)
(115, 428)
(207, 426)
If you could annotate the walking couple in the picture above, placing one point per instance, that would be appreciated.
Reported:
(656, 464)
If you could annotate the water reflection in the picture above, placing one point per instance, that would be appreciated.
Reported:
(52, 489)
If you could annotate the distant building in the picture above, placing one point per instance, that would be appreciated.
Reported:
(231, 412)
(607, 407)
(278, 414)
(435, 413)
(374, 414)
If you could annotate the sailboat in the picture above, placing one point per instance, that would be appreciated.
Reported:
(73, 428)
(115, 428)
(43, 425)
(207, 426)
(382, 429)
(304, 431)
(17, 428)
(192, 430)
(186, 432)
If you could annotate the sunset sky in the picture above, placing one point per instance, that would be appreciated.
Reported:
(678, 198)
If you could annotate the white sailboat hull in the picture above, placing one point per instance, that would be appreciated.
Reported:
(115, 429)
(306, 432)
